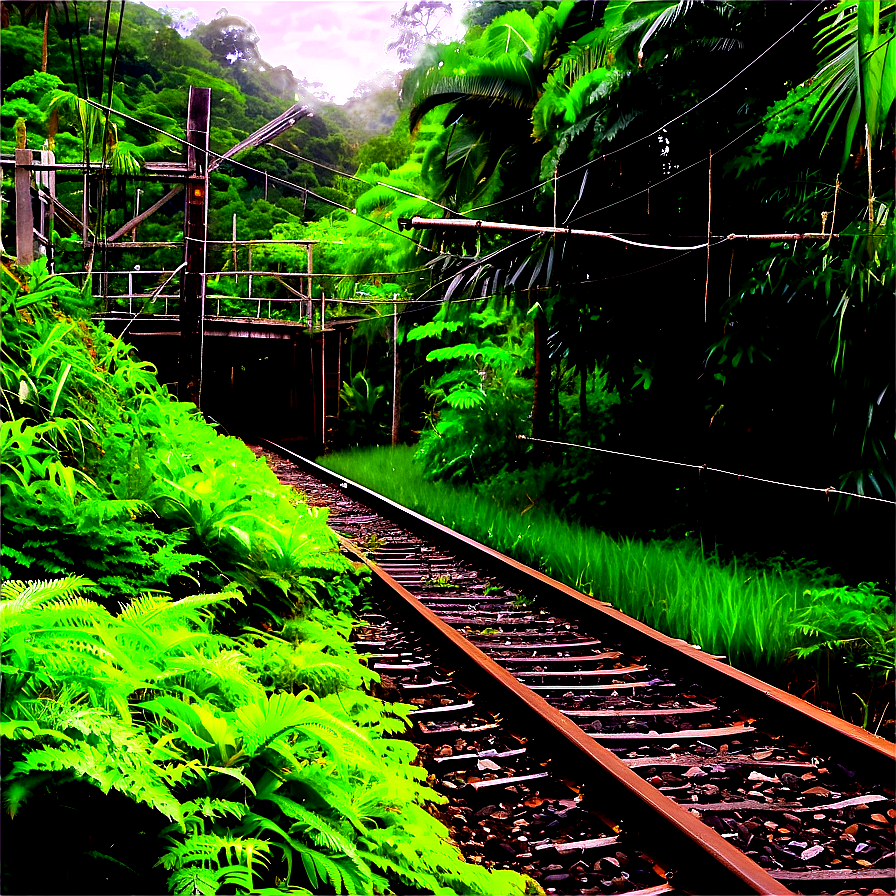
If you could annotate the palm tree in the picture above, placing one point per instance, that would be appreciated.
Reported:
(520, 95)
(858, 70)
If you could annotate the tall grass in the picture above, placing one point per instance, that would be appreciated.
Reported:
(742, 614)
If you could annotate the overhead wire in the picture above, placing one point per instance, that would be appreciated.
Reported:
(113, 64)
(71, 45)
(812, 88)
(80, 50)
(659, 130)
(705, 468)
(279, 180)
(479, 260)
(105, 38)
(378, 183)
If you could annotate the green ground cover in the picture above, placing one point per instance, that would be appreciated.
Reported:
(762, 617)
(180, 709)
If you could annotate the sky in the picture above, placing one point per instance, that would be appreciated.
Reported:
(336, 42)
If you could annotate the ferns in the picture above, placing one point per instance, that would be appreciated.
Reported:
(245, 775)
(255, 756)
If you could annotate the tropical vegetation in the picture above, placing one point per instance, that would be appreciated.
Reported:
(175, 624)
(182, 710)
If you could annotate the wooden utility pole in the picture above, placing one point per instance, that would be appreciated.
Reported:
(192, 290)
(323, 372)
(396, 377)
(24, 210)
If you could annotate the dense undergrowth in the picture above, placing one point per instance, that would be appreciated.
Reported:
(181, 709)
(793, 623)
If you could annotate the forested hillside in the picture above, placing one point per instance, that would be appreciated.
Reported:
(668, 126)
(153, 69)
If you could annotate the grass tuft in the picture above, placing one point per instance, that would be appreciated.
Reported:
(742, 614)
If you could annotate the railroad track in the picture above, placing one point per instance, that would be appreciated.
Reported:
(592, 752)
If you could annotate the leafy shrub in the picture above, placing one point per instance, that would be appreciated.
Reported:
(264, 754)
(481, 400)
(363, 412)
(858, 623)
(254, 753)
(106, 476)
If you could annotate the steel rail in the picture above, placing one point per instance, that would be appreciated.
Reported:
(875, 755)
(699, 858)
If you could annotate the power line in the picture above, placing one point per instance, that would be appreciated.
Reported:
(71, 41)
(704, 467)
(662, 127)
(418, 223)
(254, 170)
(699, 161)
(105, 38)
(367, 183)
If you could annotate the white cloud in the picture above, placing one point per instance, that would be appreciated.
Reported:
(337, 42)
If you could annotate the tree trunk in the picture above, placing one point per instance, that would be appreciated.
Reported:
(43, 55)
(542, 391)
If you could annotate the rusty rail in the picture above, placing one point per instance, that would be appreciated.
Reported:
(702, 860)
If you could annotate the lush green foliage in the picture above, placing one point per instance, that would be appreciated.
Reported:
(721, 608)
(263, 752)
(155, 65)
(482, 402)
(603, 118)
(256, 757)
(105, 476)
(857, 621)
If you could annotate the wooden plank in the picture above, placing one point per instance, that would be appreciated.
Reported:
(435, 710)
(589, 687)
(457, 729)
(842, 804)
(740, 805)
(573, 845)
(485, 754)
(623, 713)
(507, 782)
(690, 760)
(847, 874)
(622, 670)
(757, 806)
(499, 646)
(144, 215)
(398, 667)
(696, 734)
(24, 209)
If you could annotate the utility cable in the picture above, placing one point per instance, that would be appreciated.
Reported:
(80, 50)
(464, 223)
(661, 127)
(113, 63)
(279, 180)
(105, 38)
(367, 183)
(704, 467)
